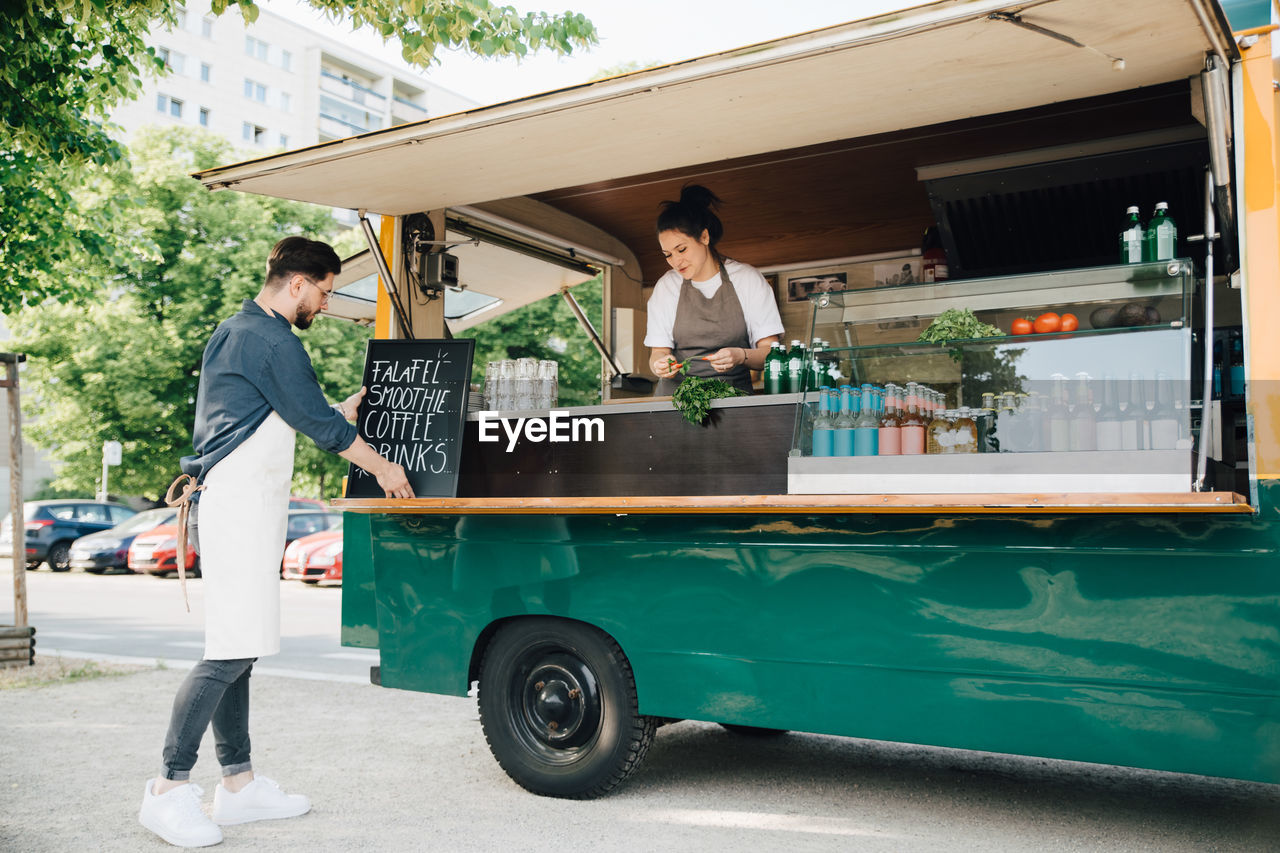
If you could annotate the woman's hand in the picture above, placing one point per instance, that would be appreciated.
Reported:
(727, 358)
(662, 366)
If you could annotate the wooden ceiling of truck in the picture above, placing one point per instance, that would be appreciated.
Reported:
(852, 197)
(942, 62)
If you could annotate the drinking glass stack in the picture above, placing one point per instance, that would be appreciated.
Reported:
(518, 385)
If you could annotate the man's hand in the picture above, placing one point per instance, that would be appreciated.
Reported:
(393, 481)
(350, 406)
(390, 476)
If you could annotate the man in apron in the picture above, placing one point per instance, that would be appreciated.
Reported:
(257, 389)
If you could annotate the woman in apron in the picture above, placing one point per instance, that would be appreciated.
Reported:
(715, 314)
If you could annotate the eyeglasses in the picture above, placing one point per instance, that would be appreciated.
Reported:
(324, 294)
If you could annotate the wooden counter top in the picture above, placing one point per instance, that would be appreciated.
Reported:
(1197, 502)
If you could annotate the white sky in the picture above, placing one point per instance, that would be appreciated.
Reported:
(630, 30)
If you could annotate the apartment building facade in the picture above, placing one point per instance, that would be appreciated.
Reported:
(276, 84)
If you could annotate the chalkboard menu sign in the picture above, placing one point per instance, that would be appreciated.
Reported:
(413, 413)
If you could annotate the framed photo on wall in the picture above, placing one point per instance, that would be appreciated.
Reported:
(799, 289)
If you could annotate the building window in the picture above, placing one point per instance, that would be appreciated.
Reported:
(166, 104)
(284, 102)
(286, 60)
(255, 91)
(172, 60)
(257, 48)
(284, 140)
(254, 134)
(181, 15)
(206, 28)
(206, 72)
(204, 116)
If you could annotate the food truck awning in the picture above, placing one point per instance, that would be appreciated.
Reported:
(934, 63)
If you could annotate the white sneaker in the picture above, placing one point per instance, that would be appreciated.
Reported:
(261, 799)
(176, 816)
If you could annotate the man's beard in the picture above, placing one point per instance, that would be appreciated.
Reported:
(301, 320)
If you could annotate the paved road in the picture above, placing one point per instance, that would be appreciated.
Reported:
(140, 616)
(397, 771)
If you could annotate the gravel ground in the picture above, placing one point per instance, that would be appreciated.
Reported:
(395, 771)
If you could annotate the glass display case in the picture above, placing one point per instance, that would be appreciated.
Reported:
(1105, 407)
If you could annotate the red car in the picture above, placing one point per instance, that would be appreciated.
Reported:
(315, 558)
(156, 553)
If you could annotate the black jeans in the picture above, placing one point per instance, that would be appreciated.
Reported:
(214, 691)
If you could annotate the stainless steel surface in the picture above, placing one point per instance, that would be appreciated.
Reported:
(647, 404)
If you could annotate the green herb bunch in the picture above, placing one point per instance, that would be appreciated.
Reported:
(693, 396)
(956, 324)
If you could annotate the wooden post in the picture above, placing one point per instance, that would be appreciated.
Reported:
(11, 362)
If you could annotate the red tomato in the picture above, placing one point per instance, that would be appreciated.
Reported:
(1047, 322)
(1021, 326)
(1069, 323)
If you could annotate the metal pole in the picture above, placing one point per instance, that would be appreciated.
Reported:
(590, 330)
(15, 492)
(1206, 393)
(103, 495)
(384, 272)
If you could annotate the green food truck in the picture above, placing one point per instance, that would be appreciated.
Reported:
(1099, 582)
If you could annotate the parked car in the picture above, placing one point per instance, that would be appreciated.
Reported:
(296, 502)
(324, 564)
(51, 527)
(156, 553)
(306, 522)
(299, 552)
(109, 549)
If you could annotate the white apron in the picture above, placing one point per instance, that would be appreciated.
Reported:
(243, 520)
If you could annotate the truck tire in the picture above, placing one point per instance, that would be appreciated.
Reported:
(559, 709)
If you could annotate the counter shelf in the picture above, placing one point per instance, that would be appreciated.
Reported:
(897, 315)
(1049, 374)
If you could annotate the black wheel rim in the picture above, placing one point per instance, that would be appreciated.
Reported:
(553, 706)
(60, 556)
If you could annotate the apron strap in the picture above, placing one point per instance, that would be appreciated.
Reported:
(182, 501)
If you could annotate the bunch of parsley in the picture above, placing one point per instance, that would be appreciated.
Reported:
(693, 396)
(957, 324)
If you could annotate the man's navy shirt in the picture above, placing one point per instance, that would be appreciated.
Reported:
(254, 364)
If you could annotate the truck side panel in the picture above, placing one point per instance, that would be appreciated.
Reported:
(1150, 640)
(359, 614)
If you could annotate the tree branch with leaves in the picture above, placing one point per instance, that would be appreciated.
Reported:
(65, 64)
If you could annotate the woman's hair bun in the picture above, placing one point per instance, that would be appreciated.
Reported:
(696, 195)
(692, 214)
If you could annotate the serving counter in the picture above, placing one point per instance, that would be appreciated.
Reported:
(647, 448)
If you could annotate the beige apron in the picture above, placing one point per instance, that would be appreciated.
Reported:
(703, 326)
(243, 520)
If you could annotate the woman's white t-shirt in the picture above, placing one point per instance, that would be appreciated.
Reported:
(754, 295)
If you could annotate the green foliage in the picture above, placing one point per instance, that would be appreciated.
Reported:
(478, 26)
(64, 64)
(547, 329)
(124, 365)
(694, 394)
(957, 324)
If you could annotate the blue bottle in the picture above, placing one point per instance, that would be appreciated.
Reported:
(824, 425)
(866, 429)
(843, 444)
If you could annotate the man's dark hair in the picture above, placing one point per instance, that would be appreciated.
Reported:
(298, 255)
